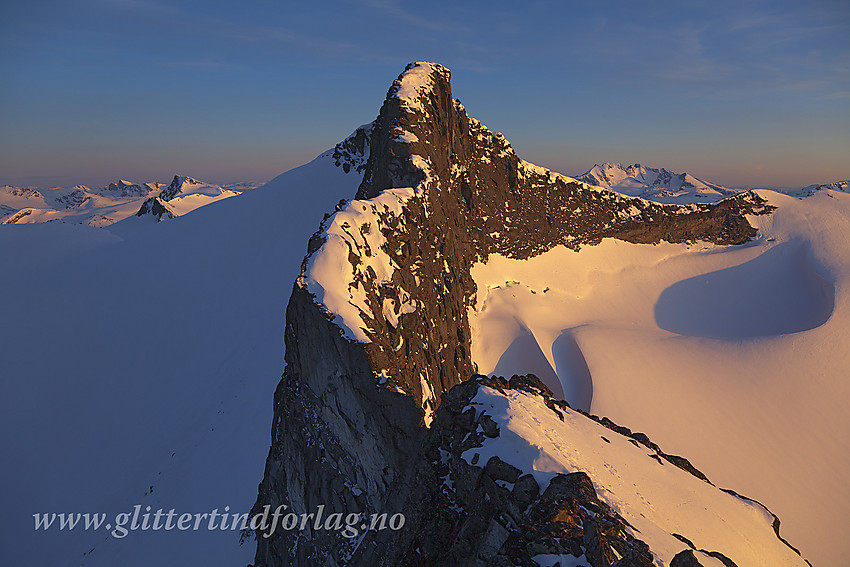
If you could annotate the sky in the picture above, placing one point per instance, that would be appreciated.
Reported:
(740, 93)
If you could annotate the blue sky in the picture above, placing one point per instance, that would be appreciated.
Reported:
(741, 93)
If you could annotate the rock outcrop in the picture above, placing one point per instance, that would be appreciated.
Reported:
(363, 379)
(492, 513)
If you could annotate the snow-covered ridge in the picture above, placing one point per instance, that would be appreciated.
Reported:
(352, 262)
(338, 281)
(350, 284)
(656, 498)
(843, 186)
(655, 184)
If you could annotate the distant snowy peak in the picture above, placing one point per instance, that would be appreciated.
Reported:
(183, 195)
(842, 186)
(20, 197)
(180, 185)
(17, 204)
(659, 185)
(74, 197)
(20, 192)
(125, 189)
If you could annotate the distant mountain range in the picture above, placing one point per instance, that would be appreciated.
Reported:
(668, 187)
(659, 185)
(104, 206)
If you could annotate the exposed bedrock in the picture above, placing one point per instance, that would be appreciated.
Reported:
(349, 417)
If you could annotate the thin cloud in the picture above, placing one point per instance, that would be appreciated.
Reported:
(394, 9)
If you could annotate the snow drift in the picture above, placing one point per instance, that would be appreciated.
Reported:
(734, 356)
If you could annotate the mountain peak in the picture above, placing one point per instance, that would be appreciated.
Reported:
(177, 185)
(418, 79)
(655, 184)
(124, 188)
(183, 195)
(386, 287)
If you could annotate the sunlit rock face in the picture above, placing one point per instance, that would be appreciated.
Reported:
(377, 325)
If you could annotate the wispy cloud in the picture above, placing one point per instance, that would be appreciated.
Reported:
(396, 10)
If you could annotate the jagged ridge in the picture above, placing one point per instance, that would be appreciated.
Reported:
(346, 411)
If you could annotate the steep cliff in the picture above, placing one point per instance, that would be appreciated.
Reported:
(377, 327)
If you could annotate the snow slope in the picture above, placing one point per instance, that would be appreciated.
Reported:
(655, 497)
(659, 185)
(736, 357)
(139, 365)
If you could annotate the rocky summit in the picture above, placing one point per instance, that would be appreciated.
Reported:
(376, 412)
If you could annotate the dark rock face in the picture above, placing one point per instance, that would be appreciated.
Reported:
(490, 514)
(685, 559)
(174, 187)
(479, 198)
(688, 558)
(337, 440)
(341, 439)
(156, 207)
(351, 154)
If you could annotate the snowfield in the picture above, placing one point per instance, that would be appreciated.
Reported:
(139, 367)
(736, 357)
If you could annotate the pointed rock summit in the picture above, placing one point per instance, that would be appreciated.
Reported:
(180, 184)
(183, 195)
(377, 334)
